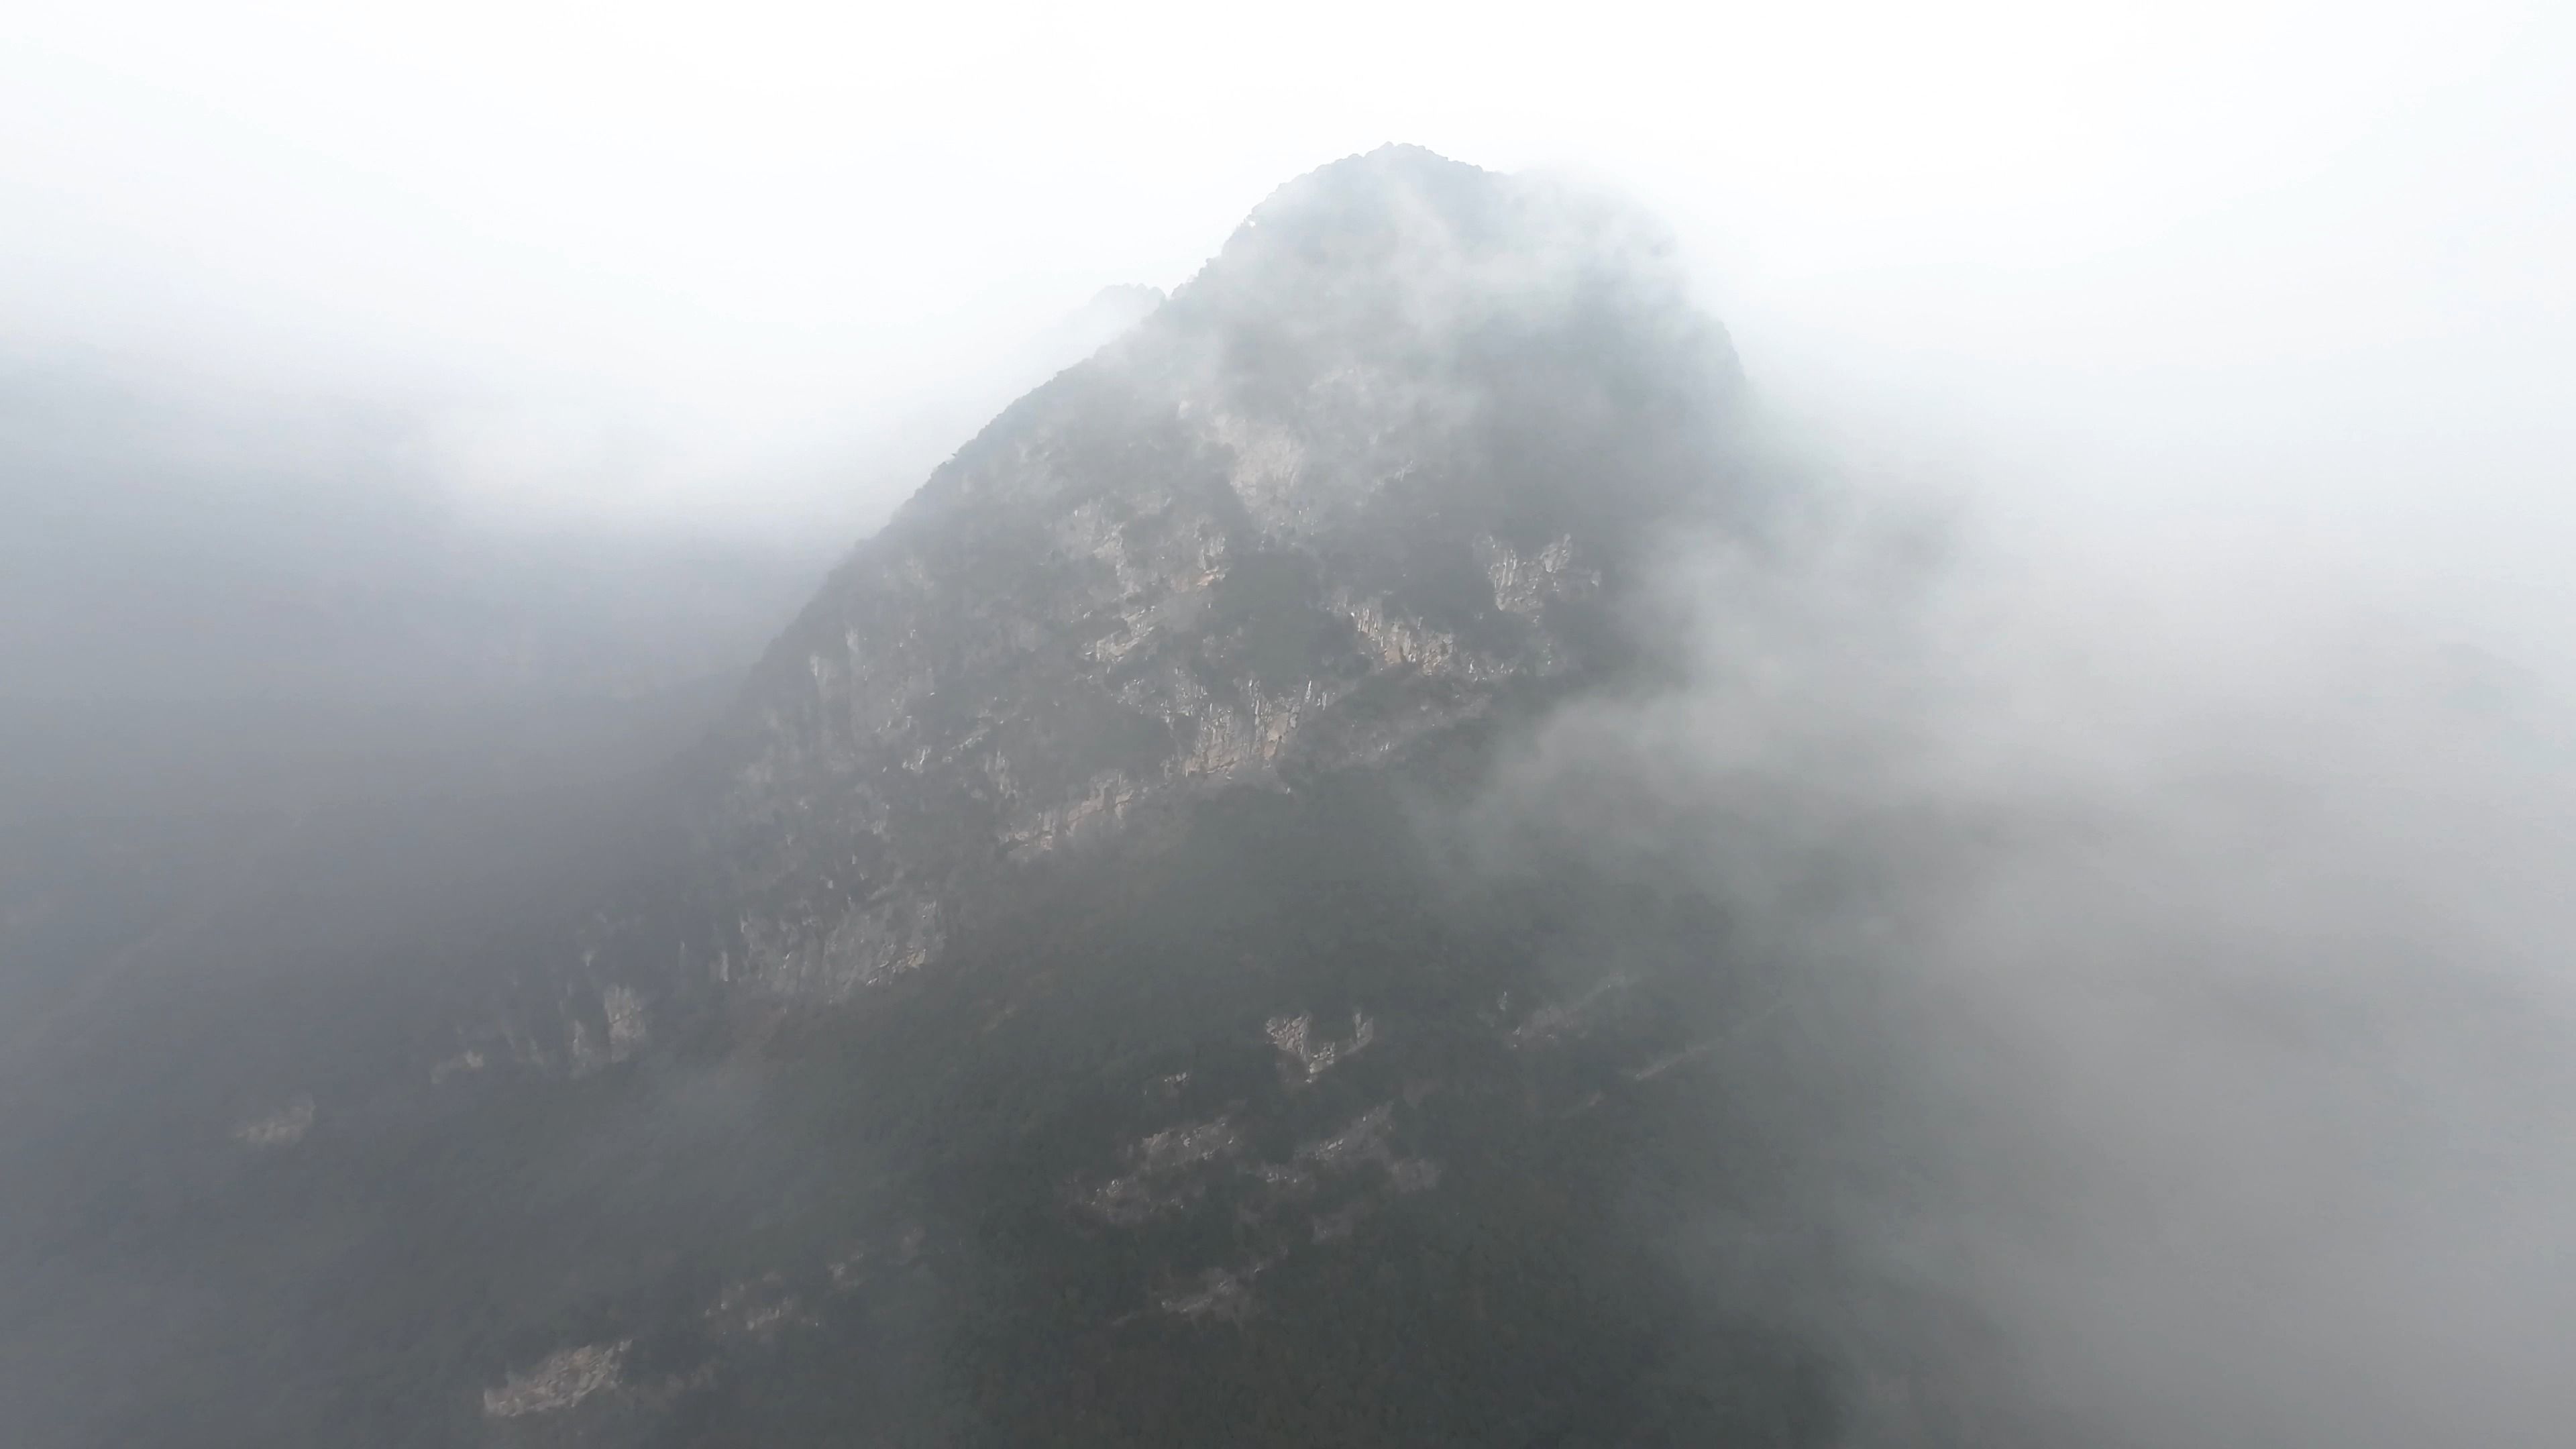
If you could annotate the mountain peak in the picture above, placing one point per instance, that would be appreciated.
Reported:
(1387, 461)
(1063, 958)
(1392, 170)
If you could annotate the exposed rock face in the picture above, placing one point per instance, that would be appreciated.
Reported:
(1057, 1026)
(1393, 460)
(561, 1381)
(1374, 466)
(583, 1396)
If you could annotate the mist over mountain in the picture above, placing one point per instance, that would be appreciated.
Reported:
(1384, 859)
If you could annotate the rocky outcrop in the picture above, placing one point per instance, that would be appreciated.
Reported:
(1060, 1017)
(1380, 463)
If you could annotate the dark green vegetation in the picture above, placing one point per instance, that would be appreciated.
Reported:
(1073, 998)
(363, 1287)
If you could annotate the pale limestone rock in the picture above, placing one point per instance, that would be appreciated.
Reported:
(282, 1128)
(626, 1029)
(558, 1381)
(1304, 1055)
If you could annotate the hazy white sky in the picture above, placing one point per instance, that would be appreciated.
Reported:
(664, 258)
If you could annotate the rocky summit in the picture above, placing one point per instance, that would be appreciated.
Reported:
(1386, 459)
(1067, 1000)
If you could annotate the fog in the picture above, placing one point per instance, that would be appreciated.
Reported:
(2278, 283)
(2182, 996)
(674, 263)
(2148, 777)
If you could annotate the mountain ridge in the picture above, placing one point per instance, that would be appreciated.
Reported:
(1057, 1004)
(1311, 438)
